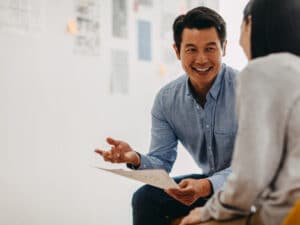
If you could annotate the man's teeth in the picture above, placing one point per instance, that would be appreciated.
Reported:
(202, 69)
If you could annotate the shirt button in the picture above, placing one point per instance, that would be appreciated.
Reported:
(207, 126)
(209, 147)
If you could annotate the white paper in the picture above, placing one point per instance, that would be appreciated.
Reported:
(157, 177)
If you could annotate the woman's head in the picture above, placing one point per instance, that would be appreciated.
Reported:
(271, 26)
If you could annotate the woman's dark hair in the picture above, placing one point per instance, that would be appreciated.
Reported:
(199, 18)
(275, 26)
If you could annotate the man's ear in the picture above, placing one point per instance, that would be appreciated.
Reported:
(224, 48)
(176, 51)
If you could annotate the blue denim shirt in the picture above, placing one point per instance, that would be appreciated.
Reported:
(207, 133)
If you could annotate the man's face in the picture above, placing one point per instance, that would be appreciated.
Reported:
(201, 55)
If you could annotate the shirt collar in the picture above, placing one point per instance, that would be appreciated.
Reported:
(214, 90)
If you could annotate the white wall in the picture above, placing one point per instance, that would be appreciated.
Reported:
(232, 11)
(56, 107)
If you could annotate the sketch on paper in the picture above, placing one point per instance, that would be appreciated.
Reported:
(147, 3)
(87, 38)
(119, 72)
(21, 15)
(144, 40)
(119, 18)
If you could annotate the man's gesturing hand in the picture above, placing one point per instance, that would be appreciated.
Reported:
(120, 152)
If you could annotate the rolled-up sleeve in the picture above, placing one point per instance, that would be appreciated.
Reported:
(218, 179)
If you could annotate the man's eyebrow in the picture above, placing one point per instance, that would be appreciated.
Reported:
(189, 45)
(212, 43)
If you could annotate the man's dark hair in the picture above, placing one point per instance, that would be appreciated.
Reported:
(199, 18)
(275, 26)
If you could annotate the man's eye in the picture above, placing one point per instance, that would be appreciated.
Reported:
(210, 49)
(190, 50)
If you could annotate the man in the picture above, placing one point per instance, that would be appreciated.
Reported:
(196, 109)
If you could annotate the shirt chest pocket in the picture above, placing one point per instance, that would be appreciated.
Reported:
(224, 136)
(224, 144)
(225, 123)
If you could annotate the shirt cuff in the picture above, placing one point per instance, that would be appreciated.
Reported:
(143, 164)
(218, 179)
(216, 183)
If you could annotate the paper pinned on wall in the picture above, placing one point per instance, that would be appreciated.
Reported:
(88, 27)
(144, 40)
(157, 177)
(20, 15)
(147, 3)
(119, 17)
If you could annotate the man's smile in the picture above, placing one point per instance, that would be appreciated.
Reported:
(202, 70)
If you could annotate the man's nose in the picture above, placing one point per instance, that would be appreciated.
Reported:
(201, 58)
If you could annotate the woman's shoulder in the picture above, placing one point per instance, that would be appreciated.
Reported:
(276, 59)
(278, 67)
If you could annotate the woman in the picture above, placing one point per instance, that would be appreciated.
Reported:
(266, 161)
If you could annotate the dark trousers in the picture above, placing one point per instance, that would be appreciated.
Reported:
(152, 206)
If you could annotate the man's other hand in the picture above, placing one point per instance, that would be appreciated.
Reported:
(190, 190)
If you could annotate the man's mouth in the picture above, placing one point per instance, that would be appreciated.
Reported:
(202, 70)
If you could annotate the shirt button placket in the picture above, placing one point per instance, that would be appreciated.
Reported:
(209, 148)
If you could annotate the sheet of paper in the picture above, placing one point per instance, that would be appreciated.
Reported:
(157, 178)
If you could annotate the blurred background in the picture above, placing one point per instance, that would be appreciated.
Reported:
(73, 72)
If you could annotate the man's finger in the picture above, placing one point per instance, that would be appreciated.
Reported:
(183, 199)
(100, 152)
(183, 183)
(112, 141)
(104, 154)
(107, 158)
(180, 192)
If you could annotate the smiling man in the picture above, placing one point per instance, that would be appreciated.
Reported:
(196, 109)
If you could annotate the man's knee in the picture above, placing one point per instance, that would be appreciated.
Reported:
(145, 195)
